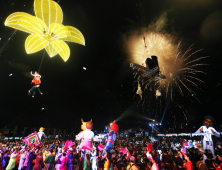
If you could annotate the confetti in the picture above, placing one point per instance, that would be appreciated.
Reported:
(10, 74)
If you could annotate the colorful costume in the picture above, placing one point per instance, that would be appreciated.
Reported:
(49, 162)
(5, 160)
(114, 128)
(70, 159)
(41, 133)
(107, 165)
(32, 156)
(38, 163)
(86, 135)
(158, 93)
(36, 80)
(64, 163)
(86, 165)
(35, 138)
(12, 161)
(58, 161)
(21, 162)
(139, 91)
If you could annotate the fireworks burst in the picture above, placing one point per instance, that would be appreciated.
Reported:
(180, 68)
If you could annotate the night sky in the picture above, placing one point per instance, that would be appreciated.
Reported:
(105, 90)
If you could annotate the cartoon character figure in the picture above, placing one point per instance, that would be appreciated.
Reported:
(207, 131)
(114, 128)
(158, 93)
(86, 135)
(83, 127)
(37, 78)
(41, 133)
(139, 91)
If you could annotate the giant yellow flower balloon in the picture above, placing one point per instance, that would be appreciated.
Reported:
(46, 29)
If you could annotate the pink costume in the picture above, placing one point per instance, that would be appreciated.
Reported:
(64, 163)
(26, 159)
(87, 135)
(155, 167)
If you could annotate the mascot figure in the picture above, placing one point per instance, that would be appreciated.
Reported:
(87, 136)
(114, 128)
(208, 131)
(41, 133)
(83, 127)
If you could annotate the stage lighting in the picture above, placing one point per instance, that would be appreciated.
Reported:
(157, 124)
(160, 123)
(153, 120)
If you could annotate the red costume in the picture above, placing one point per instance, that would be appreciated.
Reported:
(189, 165)
(36, 80)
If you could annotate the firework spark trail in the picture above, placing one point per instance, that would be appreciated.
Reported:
(180, 69)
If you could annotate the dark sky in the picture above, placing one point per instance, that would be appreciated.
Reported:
(105, 90)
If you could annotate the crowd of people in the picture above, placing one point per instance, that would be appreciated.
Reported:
(167, 153)
(105, 151)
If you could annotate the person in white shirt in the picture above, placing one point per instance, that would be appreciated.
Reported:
(208, 131)
(87, 135)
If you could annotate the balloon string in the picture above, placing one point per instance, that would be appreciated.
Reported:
(6, 43)
(41, 62)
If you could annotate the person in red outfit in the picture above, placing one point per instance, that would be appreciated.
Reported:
(39, 162)
(188, 165)
(37, 78)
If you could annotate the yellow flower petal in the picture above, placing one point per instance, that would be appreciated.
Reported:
(49, 11)
(58, 31)
(62, 48)
(35, 43)
(26, 22)
(51, 50)
(74, 35)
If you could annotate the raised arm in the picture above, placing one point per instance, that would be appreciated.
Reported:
(200, 130)
(215, 132)
(80, 136)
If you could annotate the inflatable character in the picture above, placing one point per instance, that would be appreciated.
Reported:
(83, 127)
(114, 128)
(86, 135)
(41, 133)
(208, 131)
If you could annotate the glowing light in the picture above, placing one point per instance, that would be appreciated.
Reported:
(179, 67)
(46, 29)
